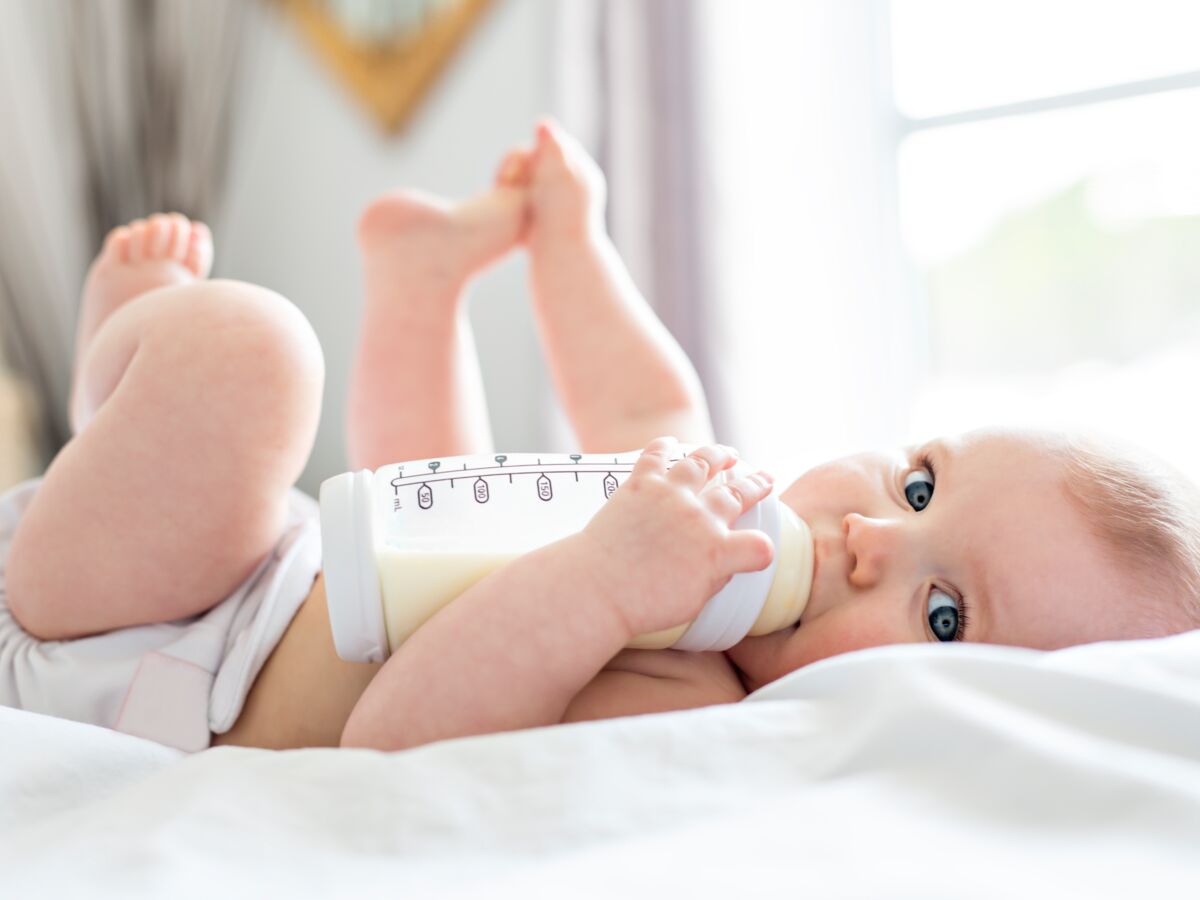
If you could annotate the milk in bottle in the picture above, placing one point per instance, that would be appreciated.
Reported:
(404, 540)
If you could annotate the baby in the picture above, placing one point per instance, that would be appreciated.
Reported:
(145, 576)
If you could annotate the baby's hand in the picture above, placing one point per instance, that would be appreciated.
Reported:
(663, 538)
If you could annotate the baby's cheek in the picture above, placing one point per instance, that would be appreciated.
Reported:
(833, 634)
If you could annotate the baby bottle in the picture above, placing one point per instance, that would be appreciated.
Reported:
(402, 541)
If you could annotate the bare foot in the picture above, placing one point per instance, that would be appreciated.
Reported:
(567, 190)
(139, 257)
(412, 235)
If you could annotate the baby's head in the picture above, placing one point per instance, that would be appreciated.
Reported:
(1025, 538)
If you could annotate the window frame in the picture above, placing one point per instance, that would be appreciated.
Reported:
(907, 125)
(903, 126)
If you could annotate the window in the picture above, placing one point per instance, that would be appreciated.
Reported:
(1049, 203)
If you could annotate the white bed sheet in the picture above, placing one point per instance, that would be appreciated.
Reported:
(911, 771)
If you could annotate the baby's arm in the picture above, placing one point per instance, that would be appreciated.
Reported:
(510, 652)
(515, 649)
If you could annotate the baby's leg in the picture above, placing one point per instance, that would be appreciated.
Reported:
(195, 406)
(621, 376)
(415, 389)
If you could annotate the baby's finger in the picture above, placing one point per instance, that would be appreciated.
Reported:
(731, 499)
(747, 551)
(654, 457)
(698, 467)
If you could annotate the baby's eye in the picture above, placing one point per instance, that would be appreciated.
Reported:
(918, 488)
(943, 616)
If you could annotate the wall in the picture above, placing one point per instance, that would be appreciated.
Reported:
(306, 159)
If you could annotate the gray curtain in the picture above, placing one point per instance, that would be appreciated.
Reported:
(124, 109)
(630, 86)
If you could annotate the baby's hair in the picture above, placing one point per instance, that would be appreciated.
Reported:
(1147, 515)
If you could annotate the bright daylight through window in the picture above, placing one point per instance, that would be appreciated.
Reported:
(1050, 236)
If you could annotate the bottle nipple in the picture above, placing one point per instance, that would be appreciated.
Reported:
(792, 584)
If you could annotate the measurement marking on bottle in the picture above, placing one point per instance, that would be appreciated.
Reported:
(610, 485)
(510, 471)
(482, 491)
(597, 465)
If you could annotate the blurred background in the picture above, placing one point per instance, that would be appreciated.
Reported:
(867, 222)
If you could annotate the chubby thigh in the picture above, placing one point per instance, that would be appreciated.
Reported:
(177, 487)
(305, 691)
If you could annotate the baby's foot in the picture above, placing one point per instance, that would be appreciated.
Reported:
(139, 257)
(566, 188)
(411, 235)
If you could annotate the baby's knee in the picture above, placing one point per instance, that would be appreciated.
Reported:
(251, 334)
(212, 332)
(249, 318)
(249, 351)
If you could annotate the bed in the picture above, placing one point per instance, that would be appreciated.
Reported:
(908, 771)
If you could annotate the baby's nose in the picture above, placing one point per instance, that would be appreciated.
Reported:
(871, 544)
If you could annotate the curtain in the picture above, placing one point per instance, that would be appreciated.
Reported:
(114, 109)
(751, 154)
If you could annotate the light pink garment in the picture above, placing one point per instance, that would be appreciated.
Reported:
(174, 682)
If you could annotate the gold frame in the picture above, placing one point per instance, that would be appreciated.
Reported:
(390, 78)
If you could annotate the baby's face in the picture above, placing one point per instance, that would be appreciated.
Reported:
(981, 543)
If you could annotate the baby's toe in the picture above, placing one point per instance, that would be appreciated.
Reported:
(137, 240)
(513, 170)
(159, 236)
(116, 245)
(199, 254)
(180, 230)
(551, 142)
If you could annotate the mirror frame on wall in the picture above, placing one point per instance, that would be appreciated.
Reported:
(389, 72)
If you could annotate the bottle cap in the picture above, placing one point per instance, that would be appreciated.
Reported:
(352, 587)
